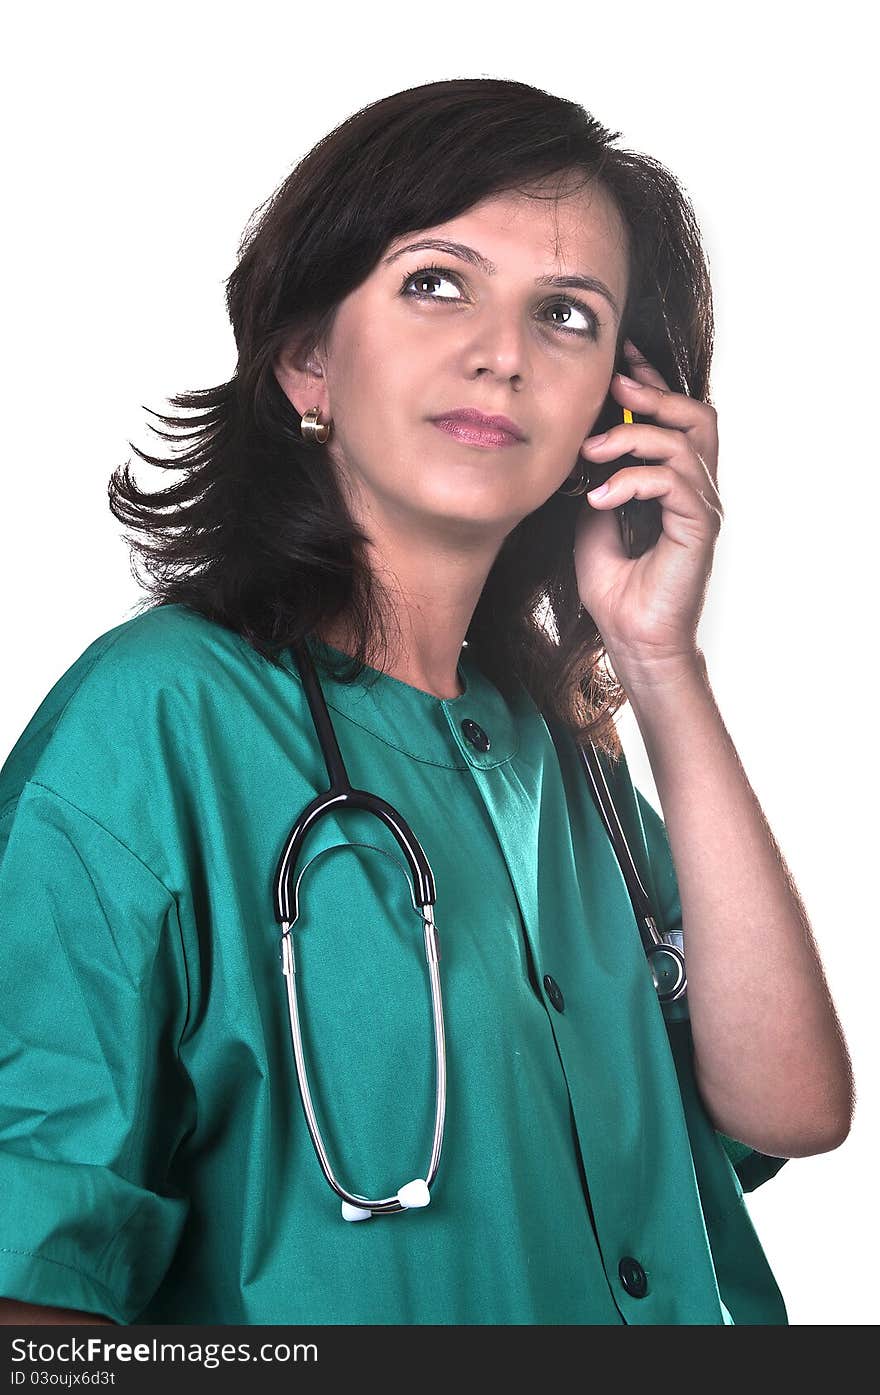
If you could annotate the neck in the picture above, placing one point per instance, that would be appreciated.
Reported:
(428, 661)
(430, 617)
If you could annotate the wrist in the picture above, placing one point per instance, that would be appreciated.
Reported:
(644, 675)
(673, 704)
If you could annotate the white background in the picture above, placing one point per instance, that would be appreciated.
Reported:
(139, 141)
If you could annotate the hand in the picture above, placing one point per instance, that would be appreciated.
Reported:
(647, 608)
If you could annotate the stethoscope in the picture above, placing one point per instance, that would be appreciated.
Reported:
(665, 958)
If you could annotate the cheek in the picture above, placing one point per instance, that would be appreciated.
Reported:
(578, 405)
(594, 393)
(375, 375)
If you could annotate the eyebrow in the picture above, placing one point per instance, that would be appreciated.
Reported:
(468, 254)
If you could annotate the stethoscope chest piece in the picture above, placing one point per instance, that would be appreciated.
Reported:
(667, 971)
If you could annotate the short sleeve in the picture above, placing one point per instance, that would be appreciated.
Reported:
(93, 1098)
(751, 1167)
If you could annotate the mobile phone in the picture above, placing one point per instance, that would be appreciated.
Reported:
(639, 520)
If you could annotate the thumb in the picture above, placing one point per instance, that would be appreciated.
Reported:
(597, 537)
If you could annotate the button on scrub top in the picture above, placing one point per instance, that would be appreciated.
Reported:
(155, 1164)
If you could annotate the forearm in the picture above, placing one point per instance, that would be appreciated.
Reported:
(16, 1314)
(769, 1054)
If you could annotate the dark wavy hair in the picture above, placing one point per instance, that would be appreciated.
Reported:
(256, 534)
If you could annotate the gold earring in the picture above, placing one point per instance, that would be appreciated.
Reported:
(579, 488)
(313, 429)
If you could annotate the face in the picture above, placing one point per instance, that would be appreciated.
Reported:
(410, 344)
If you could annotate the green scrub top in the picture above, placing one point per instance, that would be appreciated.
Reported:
(155, 1164)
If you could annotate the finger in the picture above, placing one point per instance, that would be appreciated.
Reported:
(658, 444)
(645, 374)
(696, 422)
(670, 408)
(685, 510)
(639, 368)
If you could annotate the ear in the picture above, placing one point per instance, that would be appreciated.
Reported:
(300, 374)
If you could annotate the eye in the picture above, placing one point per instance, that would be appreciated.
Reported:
(591, 320)
(591, 324)
(425, 275)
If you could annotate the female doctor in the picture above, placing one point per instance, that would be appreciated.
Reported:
(428, 315)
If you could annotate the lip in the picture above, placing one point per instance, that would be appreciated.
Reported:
(480, 428)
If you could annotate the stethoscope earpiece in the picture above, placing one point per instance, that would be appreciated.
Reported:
(355, 1213)
(412, 1196)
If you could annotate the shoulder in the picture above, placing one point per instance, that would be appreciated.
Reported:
(164, 644)
(137, 685)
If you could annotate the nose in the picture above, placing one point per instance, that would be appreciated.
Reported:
(497, 344)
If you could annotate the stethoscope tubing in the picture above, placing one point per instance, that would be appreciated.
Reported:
(666, 959)
(342, 794)
(386, 1204)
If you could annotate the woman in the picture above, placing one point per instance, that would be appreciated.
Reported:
(470, 246)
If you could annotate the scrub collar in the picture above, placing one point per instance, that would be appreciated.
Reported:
(450, 732)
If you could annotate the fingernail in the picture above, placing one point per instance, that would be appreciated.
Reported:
(598, 491)
(628, 382)
(595, 440)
